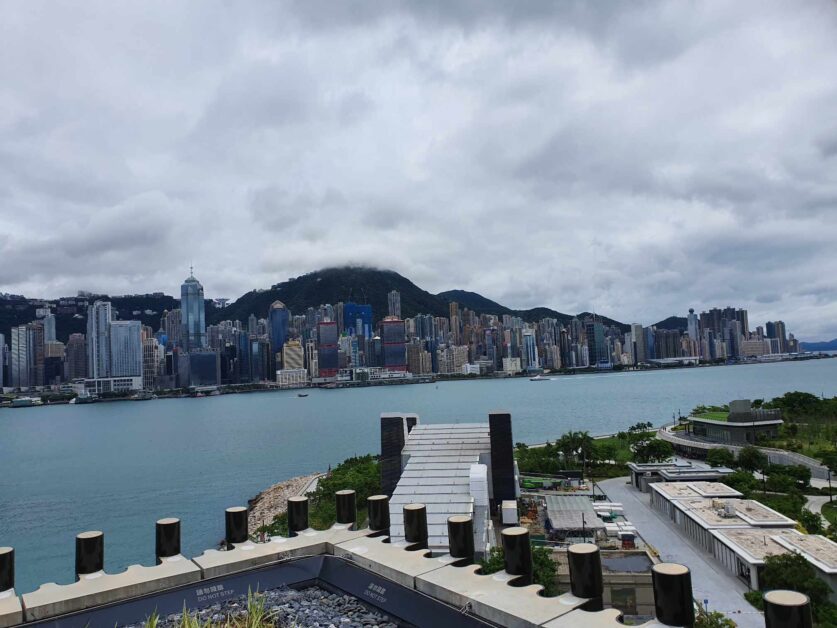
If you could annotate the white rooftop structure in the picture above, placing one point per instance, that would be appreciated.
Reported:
(441, 463)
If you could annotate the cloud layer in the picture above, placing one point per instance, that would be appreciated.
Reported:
(635, 162)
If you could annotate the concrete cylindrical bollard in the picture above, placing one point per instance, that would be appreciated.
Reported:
(673, 601)
(415, 526)
(167, 538)
(585, 564)
(346, 505)
(236, 525)
(378, 508)
(7, 568)
(90, 553)
(297, 514)
(461, 538)
(518, 554)
(787, 609)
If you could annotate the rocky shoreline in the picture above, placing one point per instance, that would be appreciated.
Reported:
(274, 500)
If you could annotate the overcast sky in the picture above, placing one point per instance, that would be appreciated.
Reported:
(635, 162)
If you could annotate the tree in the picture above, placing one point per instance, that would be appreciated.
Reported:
(652, 450)
(714, 619)
(720, 457)
(794, 572)
(752, 459)
(811, 521)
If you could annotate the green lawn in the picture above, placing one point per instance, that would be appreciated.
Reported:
(829, 511)
(714, 416)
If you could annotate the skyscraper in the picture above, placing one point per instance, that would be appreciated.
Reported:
(99, 316)
(357, 320)
(394, 300)
(2, 360)
(327, 348)
(22, 360)
(49, 328)
(692, 325)
(126, 349)
(76, 357)
(394, 339)
(279, 320)
(193, 312)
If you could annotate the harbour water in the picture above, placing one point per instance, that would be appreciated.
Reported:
(118, 467)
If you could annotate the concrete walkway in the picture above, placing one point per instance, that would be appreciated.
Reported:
(815, 502)
(710, 581)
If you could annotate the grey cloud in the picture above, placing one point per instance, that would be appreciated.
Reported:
(636, 159)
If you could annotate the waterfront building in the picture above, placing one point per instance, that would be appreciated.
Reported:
(99, 317)
(597, 352)
(327, 358)
(204, 368)
(278, 322)
(776, 330)
(394, 337)
(529, 359)
(418, 359)
(22, 357)
(153, 357)
(394, 303)
(105, 385)
(76, 357)
(193, 311)
(3, 366)
(693, 325)
(745, 425)
(53, 363)
(292, 355)
(312, 359)
(292, 378)
(125, 349)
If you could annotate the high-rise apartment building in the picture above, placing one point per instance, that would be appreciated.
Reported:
(193, 311)
(693, 325)
(99, 316)
(2, 360)
(394, 302)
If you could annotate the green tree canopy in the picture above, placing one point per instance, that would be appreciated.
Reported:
(752, 459)
(720, 457)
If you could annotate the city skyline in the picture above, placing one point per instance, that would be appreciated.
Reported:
(632, 161)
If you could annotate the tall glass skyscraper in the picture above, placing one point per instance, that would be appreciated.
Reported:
(279, 319)
(193, 314)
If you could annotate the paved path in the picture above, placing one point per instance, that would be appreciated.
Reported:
(312, 485)
(710, 580)
(815, 502)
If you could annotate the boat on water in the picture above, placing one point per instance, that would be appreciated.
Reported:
(26, 402)
(540, 378)
(85, 398)
(302, 394)
(143, 395)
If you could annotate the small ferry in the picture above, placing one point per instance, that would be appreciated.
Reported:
(26, 402)
(540, 378)
(302, 394)
(83, 398)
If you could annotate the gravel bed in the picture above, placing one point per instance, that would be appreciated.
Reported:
(306, 608)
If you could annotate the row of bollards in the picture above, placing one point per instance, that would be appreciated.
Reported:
(672, 583)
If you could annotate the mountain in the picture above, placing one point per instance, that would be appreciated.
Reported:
(371, 285)
(829, 345)
(673, 322)
(331, 285)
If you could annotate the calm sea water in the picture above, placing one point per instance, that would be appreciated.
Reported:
(118, 467)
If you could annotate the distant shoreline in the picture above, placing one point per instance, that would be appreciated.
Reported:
(423, 379)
